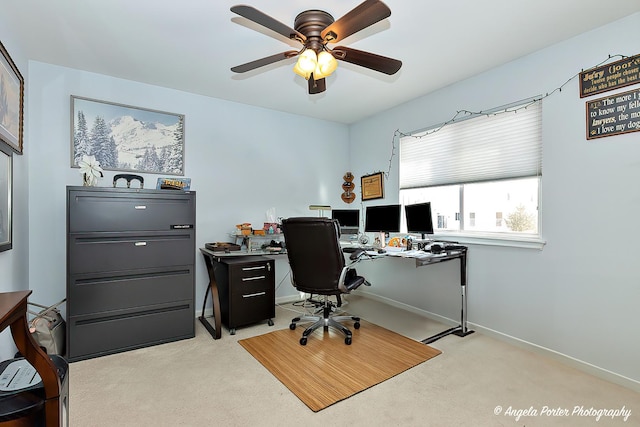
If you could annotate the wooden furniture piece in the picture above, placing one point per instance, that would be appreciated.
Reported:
(242, 290)
(13, 314)
(130, 269)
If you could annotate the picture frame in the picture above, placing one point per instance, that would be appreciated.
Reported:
(6, 198)
(126, 138)
(11, 102)
(372, 186)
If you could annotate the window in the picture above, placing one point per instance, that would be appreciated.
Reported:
(481, 174)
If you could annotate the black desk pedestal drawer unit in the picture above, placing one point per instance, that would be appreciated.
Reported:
(130, 269)
(247, 290)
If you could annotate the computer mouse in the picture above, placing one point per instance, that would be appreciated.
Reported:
(382, 251)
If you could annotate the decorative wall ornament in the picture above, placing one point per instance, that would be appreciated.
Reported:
(348, 196)
(372, 186)
(11, 102)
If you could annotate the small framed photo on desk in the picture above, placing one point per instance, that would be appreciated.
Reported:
(372, 186)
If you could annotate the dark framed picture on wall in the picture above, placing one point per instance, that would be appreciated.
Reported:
(11, 102)
(6, 198)
(126, 138)
(372, 186)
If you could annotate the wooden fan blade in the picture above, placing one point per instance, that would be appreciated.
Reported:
(316, 86)
(253, 14)
(368, 60)
(264, 61)
(367, 13)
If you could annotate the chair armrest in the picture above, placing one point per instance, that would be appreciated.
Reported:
(355, 256)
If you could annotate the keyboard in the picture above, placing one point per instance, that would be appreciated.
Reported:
(352, 249)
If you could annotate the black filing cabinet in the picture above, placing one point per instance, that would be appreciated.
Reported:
(130, 269)
(247, 290)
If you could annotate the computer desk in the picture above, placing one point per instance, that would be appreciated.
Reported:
(424, 259)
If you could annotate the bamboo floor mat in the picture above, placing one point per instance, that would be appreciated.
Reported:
(326, 370)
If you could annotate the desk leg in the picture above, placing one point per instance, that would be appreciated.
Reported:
(216, 329)
(461, 330)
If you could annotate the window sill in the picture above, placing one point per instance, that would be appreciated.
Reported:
(511, 241)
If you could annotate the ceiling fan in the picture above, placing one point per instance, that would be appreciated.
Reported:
(315, 29)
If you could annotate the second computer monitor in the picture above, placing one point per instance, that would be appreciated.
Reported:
(419, 218)
(349, 220)
(385, 218)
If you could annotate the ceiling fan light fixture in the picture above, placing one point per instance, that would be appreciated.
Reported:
(314, 29)
(308, 61)
(327, 64)
(299, 71)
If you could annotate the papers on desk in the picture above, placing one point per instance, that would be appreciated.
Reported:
(415, 254)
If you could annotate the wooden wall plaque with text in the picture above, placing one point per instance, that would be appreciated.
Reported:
(613, 115)
(611, 76)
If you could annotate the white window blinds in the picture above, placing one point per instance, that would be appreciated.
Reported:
(483, 148)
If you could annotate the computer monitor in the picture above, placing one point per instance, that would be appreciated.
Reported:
(349, 220)
(384, 219)
(419, 218)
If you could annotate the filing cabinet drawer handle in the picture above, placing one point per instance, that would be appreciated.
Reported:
(140, 207)
(244, 279)
(140, 243)
(257, 294)
(260, 267)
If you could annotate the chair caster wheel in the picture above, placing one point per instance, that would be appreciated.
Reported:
(347, 340)
(303, 341)
(356, 325)
(292, 326)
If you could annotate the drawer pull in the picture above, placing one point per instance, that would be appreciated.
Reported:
(260, 267)
(245, 279)
(140, 207)
(257, 294)
(140, 243)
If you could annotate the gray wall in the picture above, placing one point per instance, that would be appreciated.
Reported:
(577, 296)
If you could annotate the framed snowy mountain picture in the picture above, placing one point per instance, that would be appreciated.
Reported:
(126, 138)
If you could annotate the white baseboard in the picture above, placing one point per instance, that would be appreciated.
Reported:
(562, 358)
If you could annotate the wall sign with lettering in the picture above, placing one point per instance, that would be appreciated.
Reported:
(613, 115)
(611, 76)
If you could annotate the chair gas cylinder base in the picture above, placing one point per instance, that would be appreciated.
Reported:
(326, 321)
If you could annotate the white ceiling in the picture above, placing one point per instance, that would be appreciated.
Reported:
(190, 45)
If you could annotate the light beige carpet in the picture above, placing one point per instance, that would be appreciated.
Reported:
(326, 370)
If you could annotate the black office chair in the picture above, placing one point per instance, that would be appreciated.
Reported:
(318, 267)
